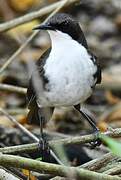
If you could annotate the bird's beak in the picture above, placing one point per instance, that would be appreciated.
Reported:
(44, 27)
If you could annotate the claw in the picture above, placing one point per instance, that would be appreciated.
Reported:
(96, 142)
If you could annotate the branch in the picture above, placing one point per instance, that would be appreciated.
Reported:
(42, 167)
(11, 88)
(114, 171)
(22, 128)
(34, 146)
(33, 15)
(97, 164)
(66, 141)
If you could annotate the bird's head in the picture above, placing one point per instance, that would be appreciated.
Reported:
(64, 24)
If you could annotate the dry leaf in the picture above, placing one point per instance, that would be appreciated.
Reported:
(29, 174)
(102, 126)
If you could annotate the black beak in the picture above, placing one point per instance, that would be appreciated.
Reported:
(44, 27)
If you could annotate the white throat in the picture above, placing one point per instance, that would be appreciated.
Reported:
(63, 45)
(59, 40)
(58, 35)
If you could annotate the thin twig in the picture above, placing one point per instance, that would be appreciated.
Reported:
(66, 141)
(42, 167)
(22, 128)
(11, 88)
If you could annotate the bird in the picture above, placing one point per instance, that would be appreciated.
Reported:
(68, 70)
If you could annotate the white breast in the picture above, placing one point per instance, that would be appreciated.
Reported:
(69, 70)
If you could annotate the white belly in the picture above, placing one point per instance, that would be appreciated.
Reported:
(70, 88)
(70, 73)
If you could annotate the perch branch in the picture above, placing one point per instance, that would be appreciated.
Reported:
(65, 141)
(42, 167)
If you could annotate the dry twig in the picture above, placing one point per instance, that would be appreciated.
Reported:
(97, 164)
(66, 141)
(22, 128)
(11, 88)
(42, 167)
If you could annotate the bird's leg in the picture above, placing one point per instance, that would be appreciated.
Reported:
(91, 122)
(43, 144)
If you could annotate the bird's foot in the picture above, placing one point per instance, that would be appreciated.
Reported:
(97, 141)
(44, 150)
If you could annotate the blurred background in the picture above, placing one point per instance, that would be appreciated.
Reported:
(101, 22)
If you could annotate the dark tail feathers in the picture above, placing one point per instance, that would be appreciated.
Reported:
(33, 117)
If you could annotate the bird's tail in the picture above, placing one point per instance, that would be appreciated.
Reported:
(33, 116)
(35, 113)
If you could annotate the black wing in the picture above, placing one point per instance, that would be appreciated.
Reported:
(97, 74)
(31, 93)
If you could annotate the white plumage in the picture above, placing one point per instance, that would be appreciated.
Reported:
(69, 70)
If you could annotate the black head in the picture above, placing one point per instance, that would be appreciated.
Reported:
(66, 24)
